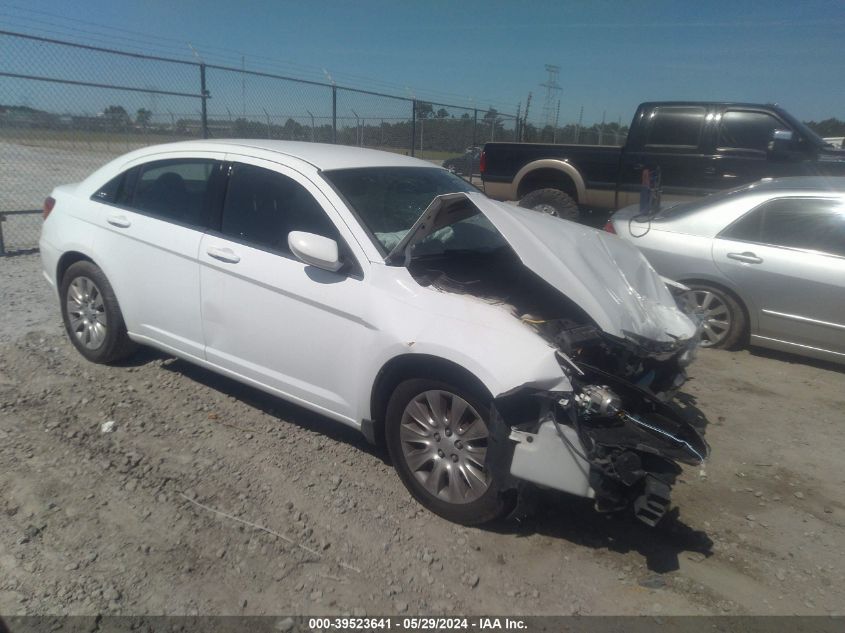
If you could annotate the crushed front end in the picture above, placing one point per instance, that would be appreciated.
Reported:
(608, 439)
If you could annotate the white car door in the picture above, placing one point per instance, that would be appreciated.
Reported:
(150, 222)
(270, 318)
(788, 256)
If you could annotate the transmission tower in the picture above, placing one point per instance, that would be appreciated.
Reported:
(552, 89)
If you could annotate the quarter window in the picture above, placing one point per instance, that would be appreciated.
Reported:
(263, 206)
(809, 223)
(676, 126)
(747, 130)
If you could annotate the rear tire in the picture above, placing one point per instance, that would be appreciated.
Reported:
(438, 435)
(92, 316)
(553, 202)
(725, 323)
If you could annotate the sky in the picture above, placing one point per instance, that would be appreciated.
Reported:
(612, 55)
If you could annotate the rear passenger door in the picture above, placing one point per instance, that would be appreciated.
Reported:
(151, 221)
(268, 317)
(675, 138)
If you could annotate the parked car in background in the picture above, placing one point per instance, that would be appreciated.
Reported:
(700, 148)
(466, 165)
(765, 262)
(490, 347)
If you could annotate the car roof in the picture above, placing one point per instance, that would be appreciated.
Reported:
(323, 156)
(816, 184)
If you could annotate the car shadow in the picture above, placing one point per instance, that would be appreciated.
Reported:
(795, 359)
(282, 410)
(553, 514)
(561, 516)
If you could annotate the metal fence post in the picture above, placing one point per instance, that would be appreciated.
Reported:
(413, 125)
(204, 97)
(2, 244)
(474, 125)
(334, 113)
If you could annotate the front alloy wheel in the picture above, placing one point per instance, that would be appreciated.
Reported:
(444, 443)
(446, 452)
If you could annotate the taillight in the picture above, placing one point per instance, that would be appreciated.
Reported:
(609, 227)
(482, 162)
(49, 203)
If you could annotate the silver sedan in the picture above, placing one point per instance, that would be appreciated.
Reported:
(765, 262)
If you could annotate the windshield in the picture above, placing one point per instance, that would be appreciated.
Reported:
(388, 200)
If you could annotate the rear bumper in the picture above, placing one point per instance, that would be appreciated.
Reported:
(49, 262)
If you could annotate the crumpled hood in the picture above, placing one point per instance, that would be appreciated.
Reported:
(606, 276)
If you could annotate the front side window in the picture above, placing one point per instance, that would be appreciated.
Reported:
(263, 206)
(816, 224)
(675, 126)
(173, 189)
(747, 130)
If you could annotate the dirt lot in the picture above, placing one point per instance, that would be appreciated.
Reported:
(128, 521)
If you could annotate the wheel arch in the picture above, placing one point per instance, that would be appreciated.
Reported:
(408, 366)
(67, 260)
(750, 315)
(551, 174)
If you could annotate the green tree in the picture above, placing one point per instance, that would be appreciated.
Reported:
(143, 117)
(117, 118)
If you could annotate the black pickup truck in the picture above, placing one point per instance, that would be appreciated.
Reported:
(698, 147)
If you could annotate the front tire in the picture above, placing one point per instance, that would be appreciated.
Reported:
(438, 436)
(553, 202)
(92, 316)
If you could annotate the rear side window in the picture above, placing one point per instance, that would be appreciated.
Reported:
(263, 206)
(747, 130)
(675, 126)
(111, 191)
(174, 189)
(816, 224)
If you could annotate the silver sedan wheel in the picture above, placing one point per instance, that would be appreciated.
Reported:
(86, 312)
(714, 314)
(444, 443)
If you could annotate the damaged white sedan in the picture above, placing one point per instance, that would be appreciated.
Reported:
(491, 348)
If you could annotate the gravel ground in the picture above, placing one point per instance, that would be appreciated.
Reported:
(159, 516)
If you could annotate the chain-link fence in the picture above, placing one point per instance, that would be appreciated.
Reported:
(68, 108)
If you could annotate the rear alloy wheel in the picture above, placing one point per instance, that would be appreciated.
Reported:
(553, 202)
(723, 319)
(438, 438)
(92, 316)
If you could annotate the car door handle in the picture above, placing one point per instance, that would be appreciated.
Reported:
(223, 254)
(746, 257)
(120, 221)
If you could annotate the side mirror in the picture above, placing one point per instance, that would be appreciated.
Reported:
(315, 250)
(781, 141)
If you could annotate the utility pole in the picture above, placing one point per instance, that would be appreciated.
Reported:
(312, 125)
(525, 118)
(578, 128)
(516, 134)
(601, 129)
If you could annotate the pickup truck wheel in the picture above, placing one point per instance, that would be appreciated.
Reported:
(552, 201)
(438, 437)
